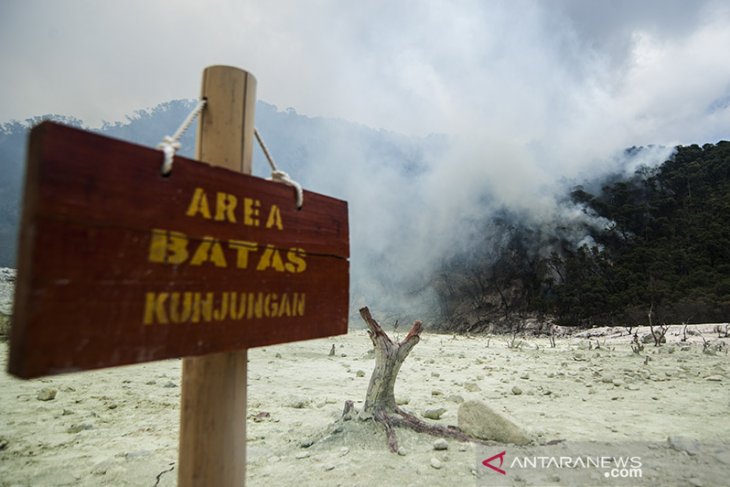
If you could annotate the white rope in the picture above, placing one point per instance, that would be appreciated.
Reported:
(171, 143)
(277, 175)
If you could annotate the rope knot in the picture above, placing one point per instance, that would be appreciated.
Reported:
(282, 177)
(277, 175)
(168, 146)
(171, 143)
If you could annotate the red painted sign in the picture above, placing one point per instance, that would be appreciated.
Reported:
(118, 264)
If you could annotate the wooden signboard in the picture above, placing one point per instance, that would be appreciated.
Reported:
(118, 264)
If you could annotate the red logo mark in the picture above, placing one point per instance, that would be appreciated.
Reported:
(487, 463)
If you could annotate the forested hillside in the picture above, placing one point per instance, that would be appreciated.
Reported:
(617, 249)
(664, 250)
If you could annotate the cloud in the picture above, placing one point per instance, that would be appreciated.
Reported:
(530, 93)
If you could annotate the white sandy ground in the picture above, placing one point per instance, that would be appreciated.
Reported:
(119, 426)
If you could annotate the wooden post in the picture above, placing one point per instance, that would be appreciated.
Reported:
(213, 397)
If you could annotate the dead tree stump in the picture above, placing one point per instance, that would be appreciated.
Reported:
(380, 398)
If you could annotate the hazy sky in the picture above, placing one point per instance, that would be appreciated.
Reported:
(535, 95)
(634, 71)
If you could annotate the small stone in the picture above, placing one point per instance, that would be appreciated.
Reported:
(262, 416)
(344, 451)
(434, 413)
(360, 373)
(617, 382)
(46, 394)
(299, 403)
(401, 401)
(278, 355)
(525, 376)
(133, 455)
(455, 398)
(302, 455)
(680, 443)
(436, 463)
(436, 392)
(77, 428)
(3, 443)
(714, 378)
(435, 374)
(440, 444)
(328, 467)
(516, 391)
(472, 387)
(170, 384)
(402, 451)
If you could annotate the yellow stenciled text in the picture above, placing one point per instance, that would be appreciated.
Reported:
(206, 307)
(226, 208)
(168, 247)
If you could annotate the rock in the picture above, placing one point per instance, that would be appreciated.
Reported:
(436, 392)
(472, 387)
(455, 398)
(133, 455)
(302, 455)
(402, 401)
(262, 416)
(47, 394)
(436, 463)
(680, 443)
(440, 444)
(435, 374)
(525, 376)
(77, 428)
(434, 413)
(328, 467)
(360, 373)
(402, 451)
(3, 443)
(299, 403)
(714, 378)
(516, 391)
(170, 384)
(477, 419)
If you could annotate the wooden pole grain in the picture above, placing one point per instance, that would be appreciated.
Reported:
(212, 449)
